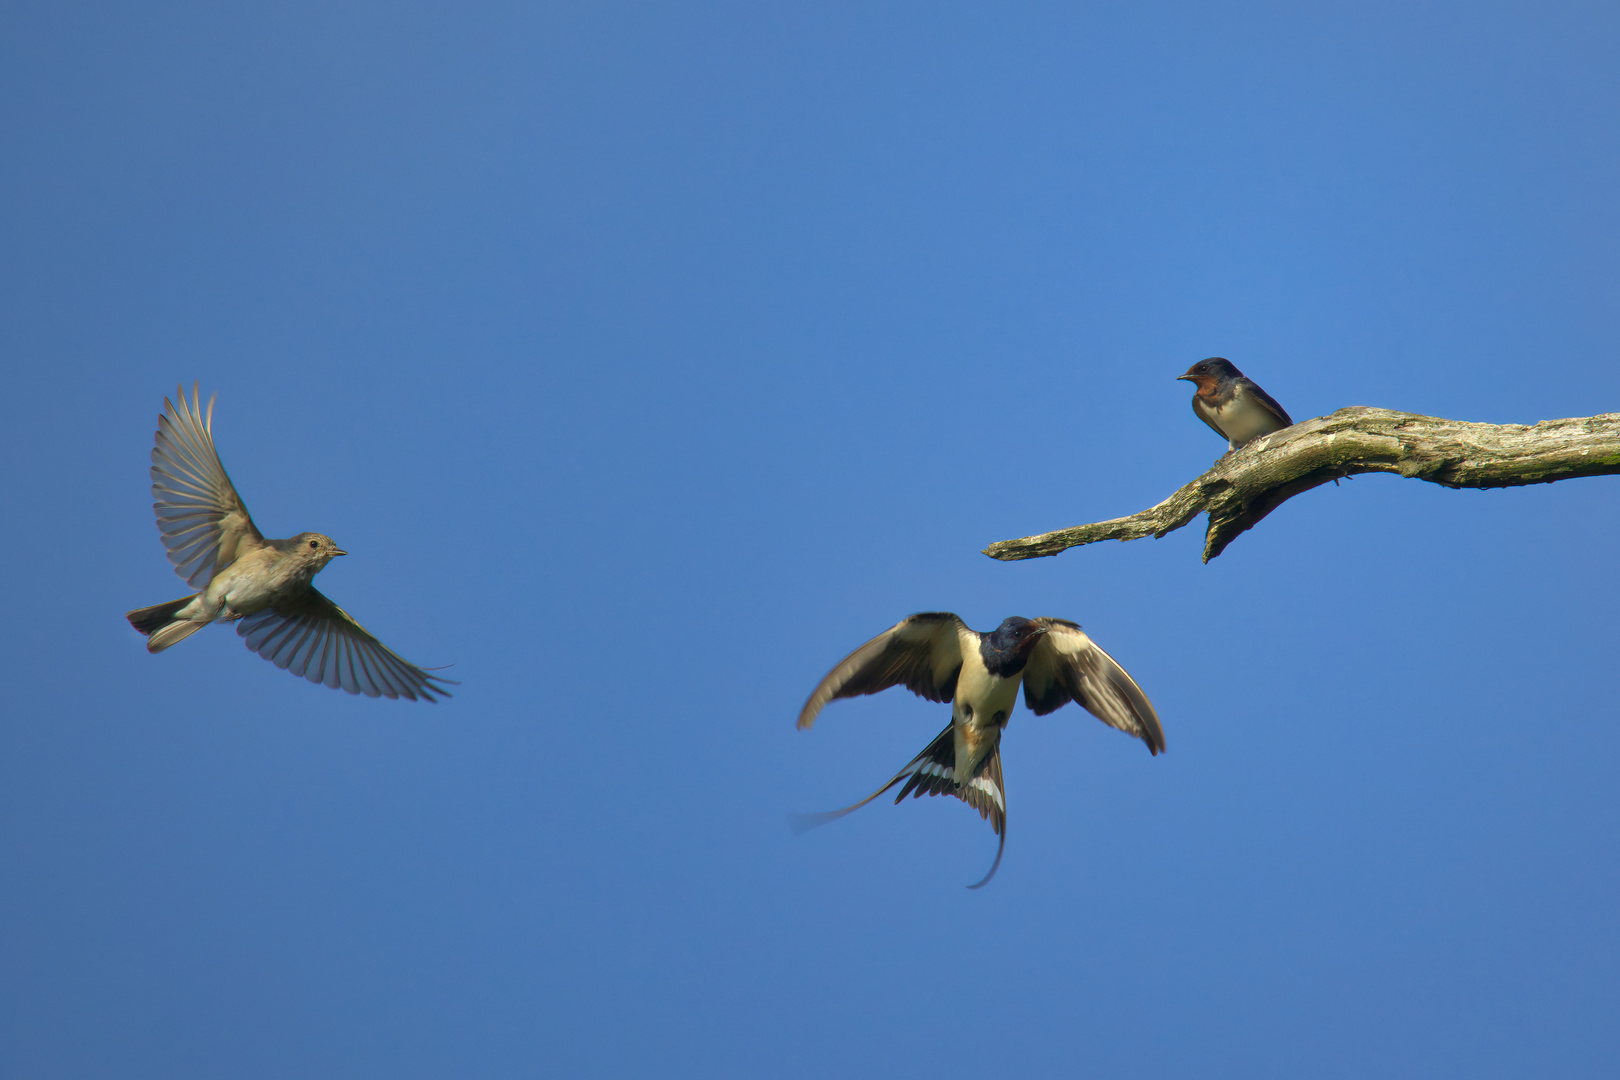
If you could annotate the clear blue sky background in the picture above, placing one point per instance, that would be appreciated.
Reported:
(648, 358)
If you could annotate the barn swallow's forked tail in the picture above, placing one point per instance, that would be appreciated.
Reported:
(933, 772)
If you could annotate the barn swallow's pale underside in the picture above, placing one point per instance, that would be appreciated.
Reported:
(937, 657)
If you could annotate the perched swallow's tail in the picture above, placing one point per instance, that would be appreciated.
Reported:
(933, 772)
(159, 625)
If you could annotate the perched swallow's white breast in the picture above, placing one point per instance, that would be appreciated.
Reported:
(1240, 419)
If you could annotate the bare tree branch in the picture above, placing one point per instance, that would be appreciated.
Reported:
(1246, 485)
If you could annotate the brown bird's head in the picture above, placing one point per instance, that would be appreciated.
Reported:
(316, 549)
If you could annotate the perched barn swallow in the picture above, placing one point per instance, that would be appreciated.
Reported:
(1233, 404)
(265, 584)
(935, 656)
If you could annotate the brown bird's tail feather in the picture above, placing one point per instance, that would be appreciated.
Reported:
(160, 626)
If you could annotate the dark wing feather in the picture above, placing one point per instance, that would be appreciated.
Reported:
(1068, 666)
(202, 519)
(1266, 401)
(313, 637)
(933, 772)
(922, 653)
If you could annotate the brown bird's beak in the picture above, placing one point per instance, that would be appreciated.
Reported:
(340, 551)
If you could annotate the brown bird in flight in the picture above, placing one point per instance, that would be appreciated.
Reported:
(261, 585)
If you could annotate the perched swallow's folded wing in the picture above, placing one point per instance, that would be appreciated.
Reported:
(922, 653)
(202, 519)
(1267, 402)
(1068, 666)
(313, 637)
(933, 772)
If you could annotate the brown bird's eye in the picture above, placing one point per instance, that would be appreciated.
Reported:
(313, 544)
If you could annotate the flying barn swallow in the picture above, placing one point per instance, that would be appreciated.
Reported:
(936, 656)
(1232, 403)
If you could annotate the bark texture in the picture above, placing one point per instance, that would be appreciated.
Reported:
(1246, 485)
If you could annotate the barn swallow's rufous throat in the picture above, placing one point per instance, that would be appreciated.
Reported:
(935, 656)
(1233, 404)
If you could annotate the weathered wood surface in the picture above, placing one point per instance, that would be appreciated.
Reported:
(1246, 485)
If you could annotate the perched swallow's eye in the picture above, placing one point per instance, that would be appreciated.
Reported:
(313, 544)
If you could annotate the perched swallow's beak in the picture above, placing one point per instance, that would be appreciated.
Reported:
(1189, 378)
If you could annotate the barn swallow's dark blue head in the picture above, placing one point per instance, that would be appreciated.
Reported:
(1212, 376)
(1006, 648)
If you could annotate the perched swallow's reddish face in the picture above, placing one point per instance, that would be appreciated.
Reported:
(1200, 376)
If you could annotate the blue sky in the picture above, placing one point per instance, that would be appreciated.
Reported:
(647, 359)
